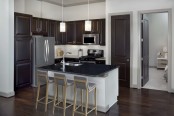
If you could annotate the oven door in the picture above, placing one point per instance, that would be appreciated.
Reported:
(88, 62)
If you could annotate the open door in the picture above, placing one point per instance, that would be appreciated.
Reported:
(145, 49)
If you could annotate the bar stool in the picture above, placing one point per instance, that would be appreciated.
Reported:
(81, 83)
(42, 79)
(60, 80)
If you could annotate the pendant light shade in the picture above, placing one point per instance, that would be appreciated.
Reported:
(88, 22)
(62, 24)
(62, 27)
(87, 25)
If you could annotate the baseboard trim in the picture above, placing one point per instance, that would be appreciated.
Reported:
(134, 86)
(10, 94)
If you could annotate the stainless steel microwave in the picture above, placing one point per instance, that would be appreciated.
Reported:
(91, 39)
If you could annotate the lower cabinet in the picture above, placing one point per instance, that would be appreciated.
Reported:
(23, 74)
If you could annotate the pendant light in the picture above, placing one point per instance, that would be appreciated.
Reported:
(62, 24)
(88, 22)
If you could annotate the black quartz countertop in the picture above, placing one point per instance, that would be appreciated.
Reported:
(84, 69)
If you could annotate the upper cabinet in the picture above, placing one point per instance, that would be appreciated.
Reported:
(40, 26)
(80, 29)
(98, 27)
(22, 24)
(71, 32)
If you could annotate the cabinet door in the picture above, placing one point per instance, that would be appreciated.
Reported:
(23, 74)
(102, 32)
(95, 26)
(79, 31)
(52, 28)
(70, 33)
(44, 26)
(23, 50)
(34, 26)
(58, 39)
(22, 24)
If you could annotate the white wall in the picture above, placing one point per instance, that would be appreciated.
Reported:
(158, 34)
(51, 11)
(117, 7)
(80, 12)
(7, 48)
(33, 7)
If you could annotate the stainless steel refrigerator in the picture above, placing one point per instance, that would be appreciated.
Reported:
(43, 54)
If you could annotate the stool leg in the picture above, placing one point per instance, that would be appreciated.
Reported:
(95, 97)
(82, 99)
(55, 96)
(38, 91)
(64, 100)
(86, 108)
(46, 97)
(74, 107)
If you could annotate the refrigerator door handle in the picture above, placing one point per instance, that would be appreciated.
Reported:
(48, 49)
(45, 50)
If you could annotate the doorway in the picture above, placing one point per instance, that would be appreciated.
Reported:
(155, 50)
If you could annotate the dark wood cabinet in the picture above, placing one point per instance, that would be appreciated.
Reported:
(40, 26)
(22, 24)
(52, 28)
(23, 74)
(98, 27)
(102, 32)
(80, 28)
(70, 32)
(22, 50)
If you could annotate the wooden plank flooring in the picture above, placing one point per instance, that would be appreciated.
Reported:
(132, 102)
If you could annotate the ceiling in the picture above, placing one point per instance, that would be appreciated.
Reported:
(71, 2)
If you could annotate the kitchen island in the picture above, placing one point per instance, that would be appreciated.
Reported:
(104, 76)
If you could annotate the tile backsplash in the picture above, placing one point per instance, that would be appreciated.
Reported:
(74, 48)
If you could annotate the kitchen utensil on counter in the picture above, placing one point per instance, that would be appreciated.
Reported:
(80, 52)
(59, 52)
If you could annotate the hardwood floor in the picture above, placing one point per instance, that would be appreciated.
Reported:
(132, 102)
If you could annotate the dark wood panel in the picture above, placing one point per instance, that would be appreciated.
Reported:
(23, 49)
(120, 47)
(59, 35)
(52, 28)
(79, 32)
(70, 32)
(22, 24)
(23, 74)
(102, 32)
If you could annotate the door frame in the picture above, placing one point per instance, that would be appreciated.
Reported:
(169, 11)
(108, 42)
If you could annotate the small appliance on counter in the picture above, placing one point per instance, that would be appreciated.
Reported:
(59, 52)
(80, 53)
(93, 54)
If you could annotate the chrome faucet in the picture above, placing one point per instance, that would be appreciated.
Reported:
(63, 61)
